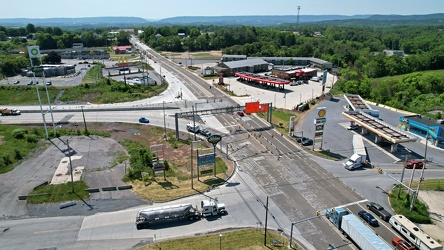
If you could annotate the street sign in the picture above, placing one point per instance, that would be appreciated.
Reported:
(214, 139)
(207, 160)
(319, 121)
(206, 171)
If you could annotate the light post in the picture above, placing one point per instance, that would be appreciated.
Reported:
(164, 123)
(220, 241)
(84, 121)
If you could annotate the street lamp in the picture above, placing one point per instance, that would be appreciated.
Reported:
(164, 124)
(220, 241)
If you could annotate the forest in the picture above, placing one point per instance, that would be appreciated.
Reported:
(357, 53)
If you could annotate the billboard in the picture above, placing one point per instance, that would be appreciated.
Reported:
(207, 160)
(255, 107)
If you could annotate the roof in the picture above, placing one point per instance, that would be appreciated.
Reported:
(379, 127)
(424, 120)
(245, 63)
(235, 56)
(121, 47)
(356, 102)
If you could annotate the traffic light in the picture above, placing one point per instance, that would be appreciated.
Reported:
(380, 170)
(318, 213)
(373, 165)
(333, 210)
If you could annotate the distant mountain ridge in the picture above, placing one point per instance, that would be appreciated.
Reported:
(272, 20)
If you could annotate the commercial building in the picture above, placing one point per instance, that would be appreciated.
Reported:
(424, 127)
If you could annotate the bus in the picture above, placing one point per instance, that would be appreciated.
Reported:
(413, 233)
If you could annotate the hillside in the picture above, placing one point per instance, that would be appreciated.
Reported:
(272, 20)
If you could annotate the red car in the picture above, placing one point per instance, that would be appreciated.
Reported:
(402, 244)
(414, 163)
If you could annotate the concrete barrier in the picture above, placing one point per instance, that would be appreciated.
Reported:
(92, 190)
(125, 187)
(22, 197)
(67, 204)
(109, 188)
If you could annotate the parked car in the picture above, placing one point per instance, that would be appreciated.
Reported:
(294, 83)
(144, 120)
(414, 164)
(299, 139)
(205, 132)
(402, 244)
(30, 83)
(193, 128)
(379, 211)
(16, 82)
(240, 113)
(368, 218)
(48, 83)
(352, 127)
(307, 142)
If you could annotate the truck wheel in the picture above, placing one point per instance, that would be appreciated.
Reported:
(191, 218)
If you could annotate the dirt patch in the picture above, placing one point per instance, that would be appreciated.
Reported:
(153, 189)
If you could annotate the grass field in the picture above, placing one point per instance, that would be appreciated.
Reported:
(238, 239)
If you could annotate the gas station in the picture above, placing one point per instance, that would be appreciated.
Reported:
(364, 116)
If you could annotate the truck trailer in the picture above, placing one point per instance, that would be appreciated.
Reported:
(359, 157)
(353, 228)
(145, 217)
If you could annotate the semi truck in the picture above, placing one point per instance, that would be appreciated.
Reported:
(7, 111)
(359, 157)
(355, 229)
(145, 217)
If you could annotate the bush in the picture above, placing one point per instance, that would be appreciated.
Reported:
(19, 133)
(32, 138)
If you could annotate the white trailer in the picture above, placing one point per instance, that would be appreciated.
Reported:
(413, 233)
(359, 156)
(361, 235)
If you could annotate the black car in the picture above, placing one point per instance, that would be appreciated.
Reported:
(205, 132)
(307, 142)
(299, 139)
(379, 211)
(368, 218)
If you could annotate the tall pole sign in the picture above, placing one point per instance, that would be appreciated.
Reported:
(214, 139)
(319, 125)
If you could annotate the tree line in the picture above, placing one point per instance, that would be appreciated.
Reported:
(358, 51)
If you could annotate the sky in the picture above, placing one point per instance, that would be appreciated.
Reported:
(158, 9)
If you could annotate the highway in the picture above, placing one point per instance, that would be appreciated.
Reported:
(268, 165)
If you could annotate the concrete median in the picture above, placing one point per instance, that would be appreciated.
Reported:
(109, 188)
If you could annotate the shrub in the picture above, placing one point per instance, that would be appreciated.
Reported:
(19, 133)
(32, 138)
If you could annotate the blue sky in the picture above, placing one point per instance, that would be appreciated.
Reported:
(158, 9)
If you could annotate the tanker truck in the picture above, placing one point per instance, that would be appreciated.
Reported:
(7, 111)
(145, 217)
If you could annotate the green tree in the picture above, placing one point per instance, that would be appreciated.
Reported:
(52, 58)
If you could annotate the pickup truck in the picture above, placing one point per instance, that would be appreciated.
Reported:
(379, 211)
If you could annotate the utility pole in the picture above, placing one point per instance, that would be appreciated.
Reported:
(164, 124)
(266, 220)
(70, 165)
(84, 121)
